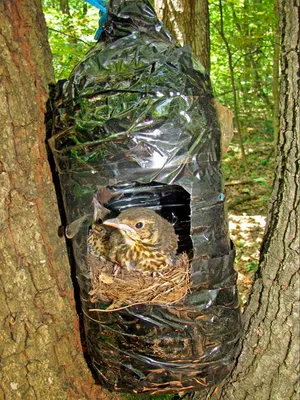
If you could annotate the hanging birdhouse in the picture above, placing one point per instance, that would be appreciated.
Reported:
(136, 143)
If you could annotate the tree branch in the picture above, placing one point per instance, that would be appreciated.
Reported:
(67, 34)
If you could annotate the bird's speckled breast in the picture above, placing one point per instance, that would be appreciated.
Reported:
(142, 257)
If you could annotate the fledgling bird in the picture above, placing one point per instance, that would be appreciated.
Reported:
(137, 239)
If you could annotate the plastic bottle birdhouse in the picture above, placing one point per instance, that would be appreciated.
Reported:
(135, 128)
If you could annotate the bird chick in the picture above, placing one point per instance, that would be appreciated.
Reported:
(137, 239)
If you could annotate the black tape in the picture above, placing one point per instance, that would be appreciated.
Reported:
(136, 115)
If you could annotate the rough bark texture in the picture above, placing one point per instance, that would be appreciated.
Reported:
(40, 349)
(268, 365)
(188, 22)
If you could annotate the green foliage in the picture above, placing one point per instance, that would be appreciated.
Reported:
(252, 266)
(252, 194)
(248, 26)
(70, 35)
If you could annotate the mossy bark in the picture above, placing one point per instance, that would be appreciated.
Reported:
(40, 348)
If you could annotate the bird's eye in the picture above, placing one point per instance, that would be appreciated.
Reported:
(139, 225)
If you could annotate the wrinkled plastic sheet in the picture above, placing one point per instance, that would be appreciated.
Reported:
(137, 115)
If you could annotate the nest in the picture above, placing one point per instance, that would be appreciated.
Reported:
(128, 288)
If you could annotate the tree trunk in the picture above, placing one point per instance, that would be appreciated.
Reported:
(275, 86)
(233, 83)
(41, 354)
(188, 23)
(268, 364)
(64, 6)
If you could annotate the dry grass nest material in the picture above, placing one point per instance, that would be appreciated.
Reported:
(129, 288)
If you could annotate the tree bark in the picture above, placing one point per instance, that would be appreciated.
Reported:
(41, 354)
(275, 86)
(188, 23)
(233, 83)
(268, 364)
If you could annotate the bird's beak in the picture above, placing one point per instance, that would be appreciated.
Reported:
(115, 223)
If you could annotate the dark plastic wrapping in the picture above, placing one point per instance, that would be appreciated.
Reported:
(137, 114)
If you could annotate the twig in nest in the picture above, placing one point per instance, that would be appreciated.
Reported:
(134, 288)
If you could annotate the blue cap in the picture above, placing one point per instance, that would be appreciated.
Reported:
(101, 4)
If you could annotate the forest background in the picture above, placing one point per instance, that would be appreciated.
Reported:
(244, 65)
